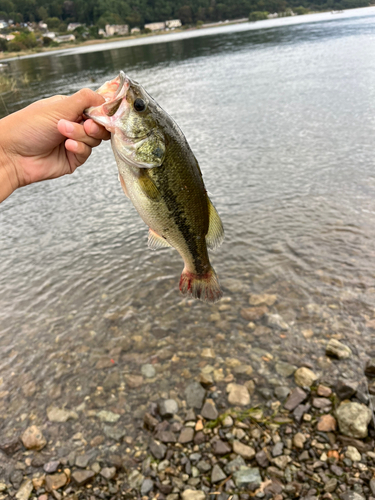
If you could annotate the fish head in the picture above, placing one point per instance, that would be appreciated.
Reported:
(131, 115)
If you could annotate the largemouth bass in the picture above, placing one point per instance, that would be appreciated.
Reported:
(161, 176)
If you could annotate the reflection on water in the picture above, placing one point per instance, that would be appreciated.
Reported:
(282, 123)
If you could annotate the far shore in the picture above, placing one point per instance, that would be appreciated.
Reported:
(63, 46)
(267, 23)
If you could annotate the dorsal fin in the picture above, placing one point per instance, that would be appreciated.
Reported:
(155, 241)
(215, 234)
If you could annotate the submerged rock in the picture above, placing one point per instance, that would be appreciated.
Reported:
(338, 350)
(33, 438)
(238, 395)
(60, 415)
(304, 377)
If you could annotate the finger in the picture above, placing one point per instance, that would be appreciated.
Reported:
(94, 130)
(72, 107)
(76, 132)
(77, 153)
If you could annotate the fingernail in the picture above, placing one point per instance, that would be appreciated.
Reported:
(69, 127)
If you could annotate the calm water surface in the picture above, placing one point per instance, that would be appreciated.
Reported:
(282, 121)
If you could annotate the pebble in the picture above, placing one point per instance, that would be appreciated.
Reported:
(108, 416)
(278, 449)
(234, 465)
(262, 299)
(353, 419)
(108, 472)
(158, 449)
(246, 476)
(186, 435)
(304, 377)
(221, 448)
(238, 395)
(217, 474)
(134, 381)
(33, 438)
(296, 397)
(60, 415)
(370, 367)
(253, 313)
(285, 369)
(321, 403)
(82, 477)
(192, 495)
(55, 481)
(353, 454)
(282, 392)
(209, 410)
(227, 422)
(277, 322)
(338, 350)
(114, 433)
(51, 467)
(345, 389)
(82, 461)
(147, 486)
(195, 395)
(323, 391)
(168, 408)
(326, 423)
(262, 459)
(299, 440)
(148, 371)
(25, 490)
(243, 450)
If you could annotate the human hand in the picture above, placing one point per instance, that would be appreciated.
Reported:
(47, 139)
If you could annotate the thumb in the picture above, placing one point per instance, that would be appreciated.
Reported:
(72, 107)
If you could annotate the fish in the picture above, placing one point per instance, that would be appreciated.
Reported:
(161, 176)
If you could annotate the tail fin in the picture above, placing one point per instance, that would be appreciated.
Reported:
(205, 287)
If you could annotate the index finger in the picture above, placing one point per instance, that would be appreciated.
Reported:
(97, 131)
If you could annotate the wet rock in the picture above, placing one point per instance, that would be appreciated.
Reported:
(282, 392)
(321, 403)
(300, 411)
(262, 299)
(147, 486)
(149, 421)
(285, 369)
(243, 450)
(221, 448)
(203, 466)
(345, 389)
(353, 419)
(217, 474)
(82, 477)
(108, 473)
(10, 446)
(148, 371)
(25, 490)
(209, 410)
(351, 495)
(254, 313)
(158, 449)
(238, 395)
(166, 437)
(33, 438)
(209, 353)
(168, 408)
(277, 450)
(193, 495)
(296, 397)
(186, 435)
(108, 416)
(353, 454)
(304, 377)
(3, 487)
(16, 478)
(370, 367)
(60, 415)
(247, 476)
(115, 433)
(326, 423)
(195, 394)
(323, 391)
(51, 467)
(55, 481)
(275, 321)
(282, 461)
(330, 485)
(336, 349)
(82, 461)
(134, 381)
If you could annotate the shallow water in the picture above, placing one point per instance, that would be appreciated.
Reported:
(282, 123)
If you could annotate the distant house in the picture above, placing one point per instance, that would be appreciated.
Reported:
(102, 32)
(273, 16)
(50, 35)
(155, 26)
(3, 24)
(43, 26)
(135, 31)
(173, 23)
(73, 26)
(65, 38)
(9, 38)
(116, 29)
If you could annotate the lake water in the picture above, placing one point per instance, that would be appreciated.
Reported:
(281, 116)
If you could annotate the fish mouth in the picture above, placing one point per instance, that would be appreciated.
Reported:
(114, 93)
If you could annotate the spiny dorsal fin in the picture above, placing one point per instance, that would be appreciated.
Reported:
(215, 234)
(155, 241)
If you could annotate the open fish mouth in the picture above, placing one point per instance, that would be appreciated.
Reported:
(114, 93)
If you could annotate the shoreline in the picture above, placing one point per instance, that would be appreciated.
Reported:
(189, 32)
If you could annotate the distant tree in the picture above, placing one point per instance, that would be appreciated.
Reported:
(300, 10)
(53, 22)
(42, 14)
(257, 16)
(6, 6)
(3, 45)
(185, 14)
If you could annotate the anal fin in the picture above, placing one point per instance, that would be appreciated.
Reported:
(215, 234)
(155, 241)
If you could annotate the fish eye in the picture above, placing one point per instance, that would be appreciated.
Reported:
(139, 104)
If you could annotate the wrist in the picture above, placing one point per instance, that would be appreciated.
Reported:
(8, 176)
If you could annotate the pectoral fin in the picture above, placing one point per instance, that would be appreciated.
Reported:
(155, 241)
(123, 185)
(215, 234)
(148, 187)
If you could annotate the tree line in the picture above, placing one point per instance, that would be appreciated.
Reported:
(139, 12)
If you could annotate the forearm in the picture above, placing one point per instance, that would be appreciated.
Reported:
(8, 177)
